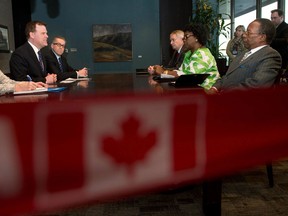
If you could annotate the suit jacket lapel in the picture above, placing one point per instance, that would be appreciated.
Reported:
(35, 58)
(237, 62)
(32, 53)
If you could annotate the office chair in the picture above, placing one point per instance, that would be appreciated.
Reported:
(269, 168)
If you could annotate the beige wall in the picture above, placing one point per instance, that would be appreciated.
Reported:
(6, 19)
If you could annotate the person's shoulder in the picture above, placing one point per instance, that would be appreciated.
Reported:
(269, 51)
(205, 50)
(23, 48)
(48, 53)
(284, 23)
(231, 40)
(266, 48)
(283, 26)
(269, 48)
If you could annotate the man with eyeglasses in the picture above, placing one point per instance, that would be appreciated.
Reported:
(280, 42)
(27, 62)
(258, 67)
(57, 62)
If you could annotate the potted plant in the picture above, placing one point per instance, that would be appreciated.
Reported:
(207, 13)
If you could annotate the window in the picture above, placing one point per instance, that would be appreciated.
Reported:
(244, 13)
(286, 11)
(266, 9)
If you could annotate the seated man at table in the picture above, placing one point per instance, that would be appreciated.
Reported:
(177, 44)
(198, 59)
(256, 68)
(9, 86)
(27, 62)
(57, 63)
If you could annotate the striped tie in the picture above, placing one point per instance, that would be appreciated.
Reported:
(245, 55)
(41, 62)
(60, 64)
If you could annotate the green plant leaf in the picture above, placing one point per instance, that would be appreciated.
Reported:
(207, 14)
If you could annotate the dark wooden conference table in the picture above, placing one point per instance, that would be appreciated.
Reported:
(103, 84)
(124, 83)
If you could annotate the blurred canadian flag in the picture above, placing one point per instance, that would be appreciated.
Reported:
(117, 148)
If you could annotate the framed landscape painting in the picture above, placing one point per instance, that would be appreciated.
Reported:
(112, 42)
(4, 39)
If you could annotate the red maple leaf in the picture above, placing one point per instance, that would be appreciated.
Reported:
(132, 146)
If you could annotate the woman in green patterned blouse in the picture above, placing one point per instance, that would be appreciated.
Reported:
(198, 59)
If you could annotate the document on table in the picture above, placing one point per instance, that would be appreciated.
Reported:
(37, 90)
(164, 78)
(167, 76)
(71, 80)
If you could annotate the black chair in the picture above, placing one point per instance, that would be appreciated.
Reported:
(282, 74)
(141, 71)
(222, 66)
(269, 168)
(284, 77)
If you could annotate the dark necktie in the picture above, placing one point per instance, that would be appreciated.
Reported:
(177, 55)
(41, 62)
(60, 64)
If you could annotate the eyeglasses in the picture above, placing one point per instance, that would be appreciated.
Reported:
(59, 45)
(251, 33)
(187, 36)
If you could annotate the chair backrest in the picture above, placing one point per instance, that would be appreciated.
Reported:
(280, 76)
(285, 75)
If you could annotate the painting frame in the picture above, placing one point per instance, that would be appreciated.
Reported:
(112, 42)
(4, 39)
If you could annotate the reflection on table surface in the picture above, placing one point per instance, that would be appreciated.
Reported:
(100, 84)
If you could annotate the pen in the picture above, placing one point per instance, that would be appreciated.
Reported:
(29, 78)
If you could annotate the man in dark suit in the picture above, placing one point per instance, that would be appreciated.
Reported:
(57, 63)
(27, 63)
(176, 42)
(256, 68)
(280, 42)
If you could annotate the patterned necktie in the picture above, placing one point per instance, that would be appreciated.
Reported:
(60, 64)
(245, 56)
(41, 62)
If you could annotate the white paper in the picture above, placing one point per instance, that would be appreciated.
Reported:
(37, 90)
(167, 76)
(70, 80)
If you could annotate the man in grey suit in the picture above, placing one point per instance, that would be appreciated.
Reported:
(258, 67)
